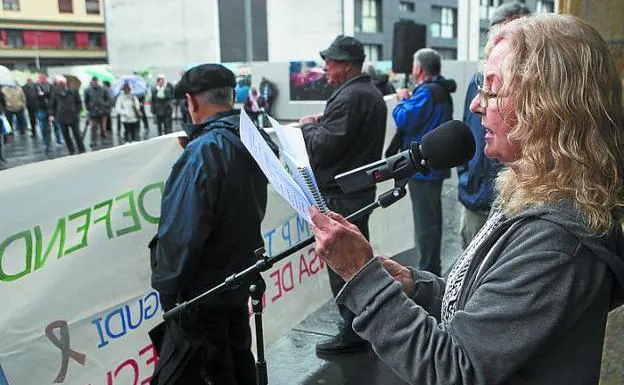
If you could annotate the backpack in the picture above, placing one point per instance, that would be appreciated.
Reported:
(14, 98)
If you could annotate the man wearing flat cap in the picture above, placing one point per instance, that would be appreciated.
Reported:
(211, 210)
(349, 134)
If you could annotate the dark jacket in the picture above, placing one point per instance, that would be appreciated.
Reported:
(44, 90)
(349, 135)
(97, 101)
(382, 82)
(268, 90)
(211, 210)
(475, 188)
(163, 106)
(430, 106)
(31, 96)
(65, 106)
(532, 309)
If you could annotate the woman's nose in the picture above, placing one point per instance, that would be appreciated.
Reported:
(475, 106)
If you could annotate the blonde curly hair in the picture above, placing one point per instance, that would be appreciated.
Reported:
(565, 115)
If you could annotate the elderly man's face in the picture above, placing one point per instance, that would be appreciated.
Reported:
(497, 145)
(336, 71)
(43, 78)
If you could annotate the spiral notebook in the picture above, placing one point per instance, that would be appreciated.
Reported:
(295, 182)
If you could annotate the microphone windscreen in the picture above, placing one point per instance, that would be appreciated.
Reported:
(449, 145)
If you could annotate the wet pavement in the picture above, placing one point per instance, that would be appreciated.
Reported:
(24, 149)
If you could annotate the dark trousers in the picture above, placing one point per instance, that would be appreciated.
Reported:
(214, 349)
(109, 123)
(77, 137)
(143, 116)
(345, 206)
(163, 121)
(131, 131)
(19, 118)
(32, 116)
(427, 212)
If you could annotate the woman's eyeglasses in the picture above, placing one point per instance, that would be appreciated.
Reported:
(484, 95)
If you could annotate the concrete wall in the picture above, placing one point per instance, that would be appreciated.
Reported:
(295, 30)
(145, 33)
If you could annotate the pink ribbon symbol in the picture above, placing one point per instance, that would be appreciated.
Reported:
(63, 345)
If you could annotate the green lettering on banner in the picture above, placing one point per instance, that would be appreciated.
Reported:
(136, 225)
(84, 229)
(141, 198)
(106, 218)
(28, 257)
(59, 233)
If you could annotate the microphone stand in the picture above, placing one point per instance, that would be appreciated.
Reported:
(257, 285)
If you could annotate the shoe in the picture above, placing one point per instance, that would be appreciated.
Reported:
(344, 342)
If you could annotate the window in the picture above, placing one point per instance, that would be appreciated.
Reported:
(368, 16)
(68, 39)
(95, 40)
(93, 7)
(487, 7)
(544, 6)
(447, 53)
(373, 52)
(444, 23)
(66, 6)
(406, 6)
(10, 5)
(14, 38)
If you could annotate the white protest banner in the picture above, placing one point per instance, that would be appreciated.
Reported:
(75, 295)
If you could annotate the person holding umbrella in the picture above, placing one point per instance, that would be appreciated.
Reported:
(138, 87)
(128, 108)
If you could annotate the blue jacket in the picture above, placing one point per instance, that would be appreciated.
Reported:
(429, 106)
(475, 189)
(211, 210)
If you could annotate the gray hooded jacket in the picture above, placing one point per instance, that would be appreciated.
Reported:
(532, 309)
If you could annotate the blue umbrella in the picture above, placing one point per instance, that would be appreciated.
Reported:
(138, 85)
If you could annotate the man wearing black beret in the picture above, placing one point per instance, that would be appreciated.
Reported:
(349, 134)
(211, 210)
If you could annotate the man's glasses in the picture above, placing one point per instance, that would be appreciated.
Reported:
(484, 95)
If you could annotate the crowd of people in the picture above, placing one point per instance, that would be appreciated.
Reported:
(56, 113)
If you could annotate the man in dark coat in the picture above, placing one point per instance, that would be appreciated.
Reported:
(65, 106)
(349, 134)
(268, 90)
(162, 104)
(97, 101)
(212, 207)
(30, 89)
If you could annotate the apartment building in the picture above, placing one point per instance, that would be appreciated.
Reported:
(42, 33)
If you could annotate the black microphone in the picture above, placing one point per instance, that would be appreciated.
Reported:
(448, 145)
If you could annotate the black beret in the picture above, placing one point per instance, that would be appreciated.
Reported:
(344, 48)
(204, 77)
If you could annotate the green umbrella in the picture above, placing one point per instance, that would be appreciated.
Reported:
(101, 73)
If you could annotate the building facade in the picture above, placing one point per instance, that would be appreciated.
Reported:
(286, 30)
(43, 33)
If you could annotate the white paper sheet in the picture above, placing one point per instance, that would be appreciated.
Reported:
(281, 180)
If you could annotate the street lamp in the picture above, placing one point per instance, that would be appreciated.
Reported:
(37, 64)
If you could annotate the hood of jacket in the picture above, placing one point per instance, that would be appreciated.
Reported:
(449, 84)
(609, 247)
